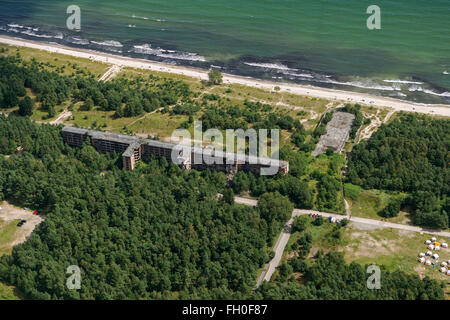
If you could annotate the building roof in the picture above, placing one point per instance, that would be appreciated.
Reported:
(129, 152)
(74, 130)
(112, 137)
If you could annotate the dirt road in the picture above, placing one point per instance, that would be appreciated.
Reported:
(63, 115)
(110, 73)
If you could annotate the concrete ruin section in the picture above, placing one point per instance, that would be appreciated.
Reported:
(338, 130)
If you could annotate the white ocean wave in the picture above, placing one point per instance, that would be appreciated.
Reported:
(15, 25)
(300, 75)
(427, 91)
(361, 84)
(170, 54)
(415, 88)
(276, 66)
(397, 86)
(403, 81)
(146, 18)
(444, 94)
(445, 72)
(108, 43)
(31, 31)
(137, 17)
(18, 26)
(77, 40)
(280, 68)
(59, 35)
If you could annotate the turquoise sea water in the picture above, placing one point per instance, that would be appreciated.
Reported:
(320, 42)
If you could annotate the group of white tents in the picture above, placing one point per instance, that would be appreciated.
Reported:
(426, 258)
(434, 245)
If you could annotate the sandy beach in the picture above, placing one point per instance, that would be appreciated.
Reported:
(336, 95)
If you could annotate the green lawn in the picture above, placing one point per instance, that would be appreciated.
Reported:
(368, 203)
(7, 230)
(158, 124)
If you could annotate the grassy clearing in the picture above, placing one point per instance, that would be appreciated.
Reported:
(395, 249)
(158, 124)
(7, 230)
(130, 73)
(155, 124)
(368, 203)
(57, 61)
(327, 164)
(319, 237)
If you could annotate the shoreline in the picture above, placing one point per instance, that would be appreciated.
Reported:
(202, 74)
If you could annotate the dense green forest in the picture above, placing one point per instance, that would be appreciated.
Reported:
(156, 232)
(410, 154)
(329, 276)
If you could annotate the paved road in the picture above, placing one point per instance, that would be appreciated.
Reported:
(286, 233)
(282, 241)
(372, 222)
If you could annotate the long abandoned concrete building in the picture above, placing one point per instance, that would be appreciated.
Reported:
(133, 149)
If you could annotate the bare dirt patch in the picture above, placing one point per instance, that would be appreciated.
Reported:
(369, 246)
(11, 213)
(62, 116)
